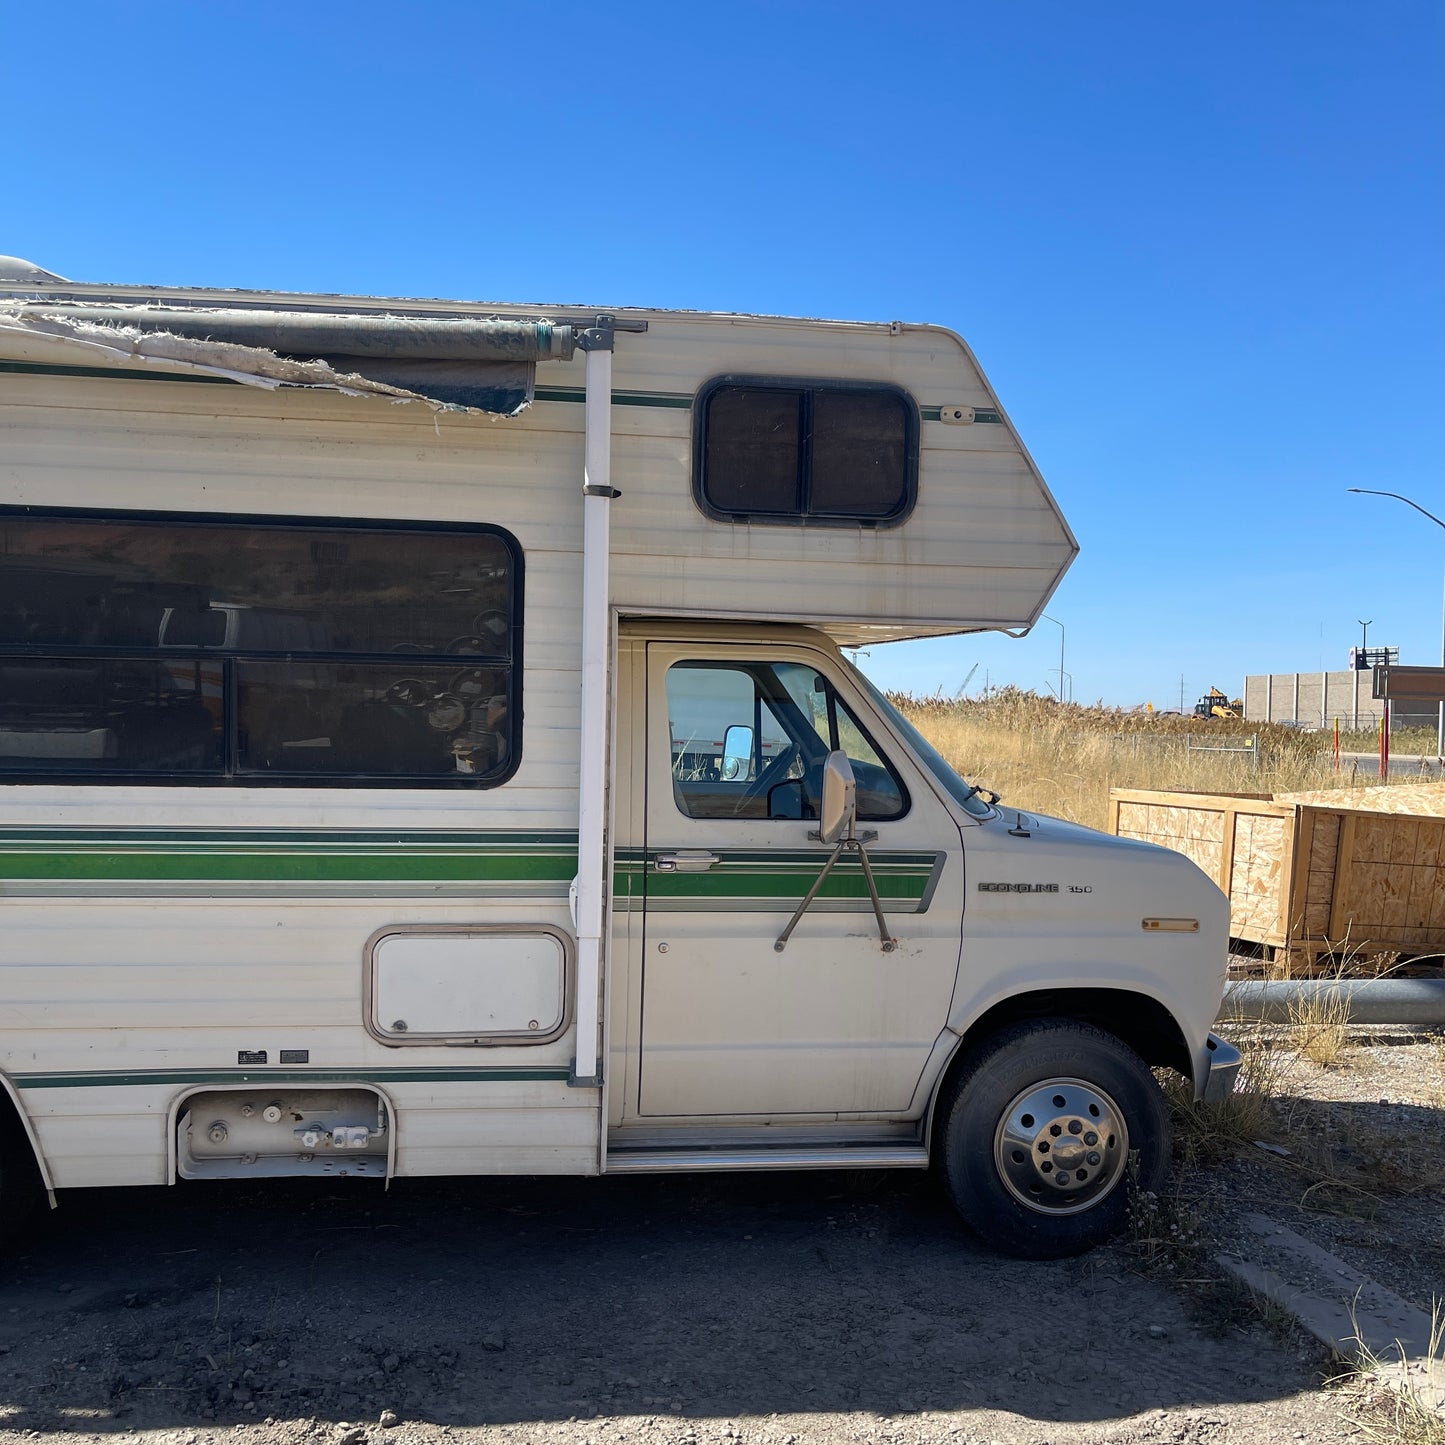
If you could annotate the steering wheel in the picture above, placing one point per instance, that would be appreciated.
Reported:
(775, 772)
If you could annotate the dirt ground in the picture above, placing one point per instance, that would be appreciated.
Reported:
(766, 1309)
(788, 1308)
(1349, 1156)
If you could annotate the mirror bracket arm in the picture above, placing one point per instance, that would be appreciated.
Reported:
(885, 940)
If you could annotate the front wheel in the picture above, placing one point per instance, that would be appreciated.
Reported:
(1036, 1135)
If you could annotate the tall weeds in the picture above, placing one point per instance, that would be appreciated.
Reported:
(1063, 759)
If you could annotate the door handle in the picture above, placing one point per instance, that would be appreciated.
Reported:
(685, 860)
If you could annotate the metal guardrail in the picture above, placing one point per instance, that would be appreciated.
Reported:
(1369, 1000)
(1252, 749)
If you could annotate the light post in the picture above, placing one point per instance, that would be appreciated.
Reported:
(1368, 492)
(1060, 626)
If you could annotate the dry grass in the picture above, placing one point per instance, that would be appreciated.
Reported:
(1320, 1023)
(1404, 742)
(1398, 1407)
(1063, 759)
(1166, 1232)
(1345, 1158)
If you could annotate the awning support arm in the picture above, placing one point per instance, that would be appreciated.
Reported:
(590, 889)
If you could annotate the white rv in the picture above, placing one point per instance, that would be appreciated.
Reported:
(425, 748)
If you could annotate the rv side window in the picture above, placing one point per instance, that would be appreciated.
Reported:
(252, 650)
(748, 740)
(777, 451)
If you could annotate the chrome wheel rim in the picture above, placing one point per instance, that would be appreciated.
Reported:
(1061, 1146)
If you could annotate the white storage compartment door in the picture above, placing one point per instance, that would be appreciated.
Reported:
(468, 985)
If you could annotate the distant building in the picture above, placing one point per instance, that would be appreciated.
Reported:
(1316, 699)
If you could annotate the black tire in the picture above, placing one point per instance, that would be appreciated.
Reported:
(21, 1188)
(1038, 1091)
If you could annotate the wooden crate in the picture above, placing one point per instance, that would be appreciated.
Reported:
(1350, 872)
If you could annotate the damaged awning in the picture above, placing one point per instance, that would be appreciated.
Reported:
(473, 365)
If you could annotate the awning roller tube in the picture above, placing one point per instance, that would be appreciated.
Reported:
(290, 333)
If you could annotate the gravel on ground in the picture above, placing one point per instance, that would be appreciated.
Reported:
(753, 1310)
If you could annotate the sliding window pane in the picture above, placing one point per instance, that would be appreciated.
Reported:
(246, 587)
(753, 450)
(372, 719)
(860, 454)
(110, 715)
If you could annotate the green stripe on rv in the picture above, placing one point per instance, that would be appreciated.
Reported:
(285, 865)
(162, 857)
(112, 1078)
(199, 837)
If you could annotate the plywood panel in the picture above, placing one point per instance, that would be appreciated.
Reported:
(1373, 835)
(1364, 880)
(1376, 896)
(1197, 832)
(1404, 842)
(1436, 918)
(1420, 800)
(1319, 887)
(1259, 863)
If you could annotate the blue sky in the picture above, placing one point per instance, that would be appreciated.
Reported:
(1198, 249)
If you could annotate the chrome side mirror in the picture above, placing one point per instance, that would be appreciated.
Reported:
(737, 753)
(840, 799)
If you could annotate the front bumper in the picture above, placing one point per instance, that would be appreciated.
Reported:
(1222, 1067)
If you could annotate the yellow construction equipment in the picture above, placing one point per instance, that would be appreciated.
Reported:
(1217, 704)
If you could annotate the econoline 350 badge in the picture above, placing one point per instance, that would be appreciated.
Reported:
(1018, 887)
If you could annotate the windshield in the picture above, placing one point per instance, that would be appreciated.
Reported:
(932, 759)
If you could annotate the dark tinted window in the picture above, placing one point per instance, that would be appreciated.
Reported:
(749, 740)
(860, 454)
(754, 447)
(207, 650)
(805, 451)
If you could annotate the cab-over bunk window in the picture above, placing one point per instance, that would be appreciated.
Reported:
(198, 649)
(805, 452)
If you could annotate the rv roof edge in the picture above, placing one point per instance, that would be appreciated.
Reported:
(16, 268)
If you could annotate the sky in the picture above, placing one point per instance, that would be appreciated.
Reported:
(1197, 249)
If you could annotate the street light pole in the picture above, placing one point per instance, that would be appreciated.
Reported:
(1367, 492)
(1060, 626)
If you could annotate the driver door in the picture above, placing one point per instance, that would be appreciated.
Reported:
(734, 747)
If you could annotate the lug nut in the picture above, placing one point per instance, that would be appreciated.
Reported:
(1091, 1138)
(1094, 1157)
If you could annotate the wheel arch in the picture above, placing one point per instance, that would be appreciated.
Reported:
(1135, 1019)
(17, 1133)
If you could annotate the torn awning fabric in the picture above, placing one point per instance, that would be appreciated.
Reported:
(475, 365)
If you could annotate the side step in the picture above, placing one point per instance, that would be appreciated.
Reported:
(867, 1156)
